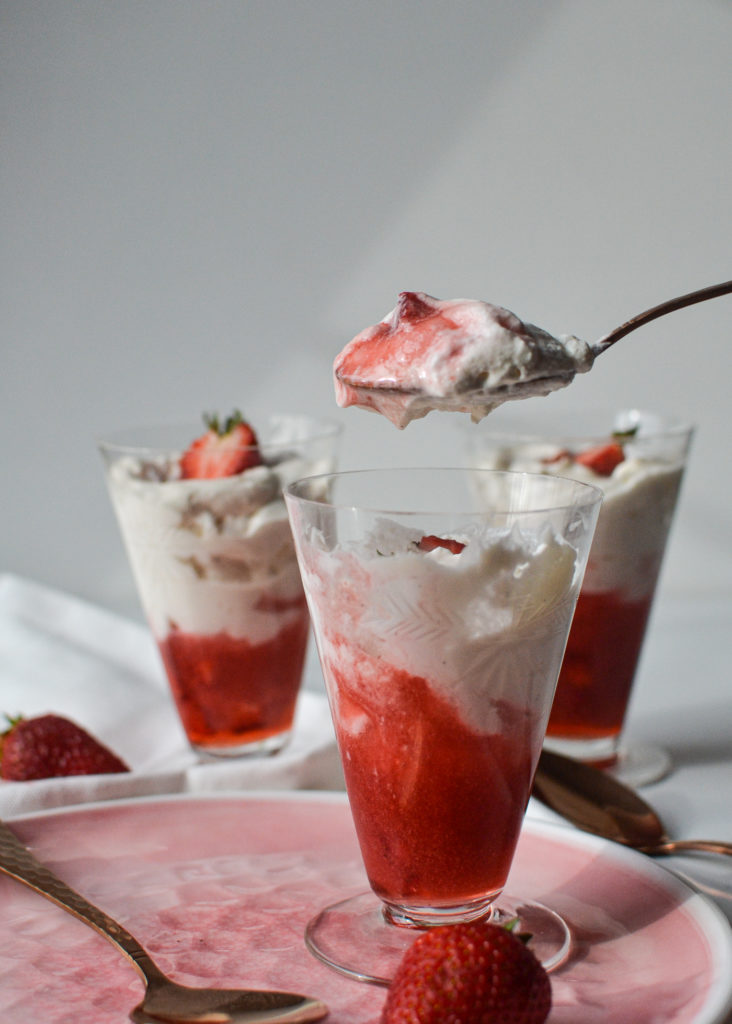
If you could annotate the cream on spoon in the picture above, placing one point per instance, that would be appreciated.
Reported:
(464, 355)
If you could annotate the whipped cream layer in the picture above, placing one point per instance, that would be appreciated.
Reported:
(483, 626)
(635, 517)
(459, 355)
(211, 556)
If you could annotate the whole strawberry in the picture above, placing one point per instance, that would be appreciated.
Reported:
(225, 449)
(473, 973)
(49, 746)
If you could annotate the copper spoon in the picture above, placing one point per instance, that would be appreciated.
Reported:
(670, 306)
(482, 396)
(165, 1001)
(596, 802)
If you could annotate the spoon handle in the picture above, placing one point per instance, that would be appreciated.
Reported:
(710, 292)
(18, 862)
(701, 845)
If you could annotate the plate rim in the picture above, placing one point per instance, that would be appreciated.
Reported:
(704, 912)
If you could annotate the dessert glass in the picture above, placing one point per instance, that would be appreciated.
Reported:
(638, 464)
(440, 619)
(217, 576)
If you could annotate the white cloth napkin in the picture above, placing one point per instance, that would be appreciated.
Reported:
(61, 654)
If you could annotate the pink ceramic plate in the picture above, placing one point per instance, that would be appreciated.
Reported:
(219, 889)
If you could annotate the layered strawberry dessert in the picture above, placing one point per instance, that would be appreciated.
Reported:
(639, 469)
(459, 355)
(210, 545)
(440, 655)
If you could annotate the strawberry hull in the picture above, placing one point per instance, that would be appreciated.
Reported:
(233, 694)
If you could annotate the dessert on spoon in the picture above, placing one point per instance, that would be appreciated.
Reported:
(465, 355)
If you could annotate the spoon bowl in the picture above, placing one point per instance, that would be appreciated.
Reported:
(596, 802)
(165, 1000)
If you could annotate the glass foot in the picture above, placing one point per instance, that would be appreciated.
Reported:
(639, 764)
(355, 938)
(247, 748)
(635, 764)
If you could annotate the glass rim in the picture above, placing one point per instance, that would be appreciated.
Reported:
(552, 430)
(122, 441)
(593, 495)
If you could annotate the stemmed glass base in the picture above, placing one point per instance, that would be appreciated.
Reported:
(254, 748)
(639, 764)
(355, 937)
(635, 764)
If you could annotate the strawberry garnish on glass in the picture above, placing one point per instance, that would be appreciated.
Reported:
(225, 449)
(602, 458)
(430, 542)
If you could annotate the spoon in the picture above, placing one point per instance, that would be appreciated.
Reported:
(596, 802)
(669, 306)
(468, 356)
(165, 1000)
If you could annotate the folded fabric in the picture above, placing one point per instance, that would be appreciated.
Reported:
(61, 654)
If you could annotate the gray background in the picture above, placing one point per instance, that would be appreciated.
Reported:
(202, 201)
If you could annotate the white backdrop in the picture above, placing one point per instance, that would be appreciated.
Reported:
(202, 200)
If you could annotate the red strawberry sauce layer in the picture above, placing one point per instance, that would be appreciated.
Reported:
(437, 807)
(230, 692)
(599, 664)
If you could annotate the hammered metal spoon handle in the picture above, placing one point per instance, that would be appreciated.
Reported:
(18, 862)
(165, 1000)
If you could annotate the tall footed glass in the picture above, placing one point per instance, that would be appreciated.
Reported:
(216, 571)
(441, 608)
(637, 459)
